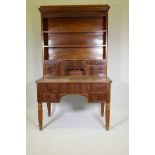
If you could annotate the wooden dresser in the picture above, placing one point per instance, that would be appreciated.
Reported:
(75, 46)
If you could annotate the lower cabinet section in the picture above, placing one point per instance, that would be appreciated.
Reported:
(93, 91)
(52, 92)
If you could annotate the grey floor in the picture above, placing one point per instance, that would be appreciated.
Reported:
(76, 128)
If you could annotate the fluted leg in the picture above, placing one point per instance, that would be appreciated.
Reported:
(107, 115)
(49, 108)
(40, 115)
(102, 108)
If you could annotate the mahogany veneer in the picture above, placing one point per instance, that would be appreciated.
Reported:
(75, 41)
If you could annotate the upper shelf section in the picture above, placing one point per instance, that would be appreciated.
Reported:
(74, 32)
(74, 10)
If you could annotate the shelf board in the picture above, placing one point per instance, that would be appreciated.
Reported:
(51, 32)
(47, 60)
(72, 46)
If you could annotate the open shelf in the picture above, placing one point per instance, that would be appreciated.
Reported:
(51, 53)
(75, 39)
(78, 24)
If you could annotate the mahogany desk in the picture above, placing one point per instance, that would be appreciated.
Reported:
(75, 47)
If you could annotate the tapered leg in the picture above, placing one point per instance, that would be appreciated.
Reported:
(49, 108)
(40, 115)
(102, 108)
(107, 115)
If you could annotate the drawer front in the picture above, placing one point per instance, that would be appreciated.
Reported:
(96, 70)
(48, 87)
(48, 97)
(96, 97)
(97, 87)
(47, 92)
(75, 88)
(95, 62)
(51, 68)
(99, 70)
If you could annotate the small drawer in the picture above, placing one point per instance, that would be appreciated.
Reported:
(97, 87)
(96, 70)
(73, 88)
(47, 88)
(96, 62)
(48, 97)
(96, 97)
(51, 68)
(51, 62)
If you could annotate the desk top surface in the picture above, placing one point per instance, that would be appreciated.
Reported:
(73, 80)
